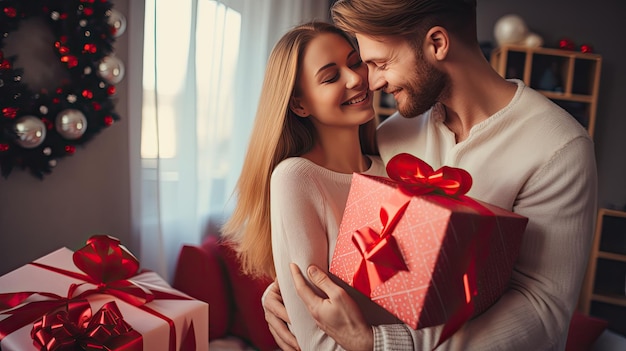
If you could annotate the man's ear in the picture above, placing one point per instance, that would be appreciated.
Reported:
(295, 105)
(437, 43)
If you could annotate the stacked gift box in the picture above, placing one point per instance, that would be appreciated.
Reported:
(96, 298)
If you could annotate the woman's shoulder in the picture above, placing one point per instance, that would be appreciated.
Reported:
(295, 166)
(298, 170)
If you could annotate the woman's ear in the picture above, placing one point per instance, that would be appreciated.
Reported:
(296, 107)
(437, 43)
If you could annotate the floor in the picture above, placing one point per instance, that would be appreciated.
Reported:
(610, 341)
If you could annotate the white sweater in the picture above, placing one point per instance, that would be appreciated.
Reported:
(307, 203)
(535, 159)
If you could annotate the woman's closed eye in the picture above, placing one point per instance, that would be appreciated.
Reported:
(357, 64)
(332, 78)
(336, 75)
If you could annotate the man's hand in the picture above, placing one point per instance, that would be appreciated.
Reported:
(277, 318)
(338, 315)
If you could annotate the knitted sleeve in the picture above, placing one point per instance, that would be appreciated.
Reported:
(298, 217)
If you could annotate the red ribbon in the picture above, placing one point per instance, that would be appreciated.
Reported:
(73, 327)
(381, 256)
(27, 313)
(418, 178)
(189, 341)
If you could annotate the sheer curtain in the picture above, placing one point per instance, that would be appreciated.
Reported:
(203, 68)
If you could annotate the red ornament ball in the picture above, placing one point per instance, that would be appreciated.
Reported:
(586, 48)
(566, 44)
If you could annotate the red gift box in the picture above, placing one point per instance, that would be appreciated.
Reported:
(417, 246)
(35, 302)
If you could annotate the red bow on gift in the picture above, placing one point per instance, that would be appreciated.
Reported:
(73, 327)
(109, 266)
(382, 258)
(418, 177)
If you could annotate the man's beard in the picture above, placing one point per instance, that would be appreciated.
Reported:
(425, 87)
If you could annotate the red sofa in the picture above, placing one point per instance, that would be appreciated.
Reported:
(210, 272)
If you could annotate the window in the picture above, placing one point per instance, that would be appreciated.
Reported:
(190, 59)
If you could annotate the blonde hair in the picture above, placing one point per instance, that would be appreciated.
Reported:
(276, 135)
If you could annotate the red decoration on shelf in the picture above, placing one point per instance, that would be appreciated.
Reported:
(87, 94)
(108, 120)
(111, 90)
(566, 44)
(586, 48)
(4, 147)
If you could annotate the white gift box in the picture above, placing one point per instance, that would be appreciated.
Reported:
(154, 329)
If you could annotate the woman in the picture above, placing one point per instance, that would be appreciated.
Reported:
(314, 127)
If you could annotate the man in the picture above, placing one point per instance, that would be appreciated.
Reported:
(524, 153)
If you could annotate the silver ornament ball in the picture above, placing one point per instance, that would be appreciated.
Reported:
(117, 21)
(71, 123)
(30, 131)
(111, 69)
(510, 29)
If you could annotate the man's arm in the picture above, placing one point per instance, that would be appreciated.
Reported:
(331, 314)
(342, 319)
(277, 318)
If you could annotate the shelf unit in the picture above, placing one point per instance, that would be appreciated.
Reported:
(604, 290)
(384, 105)
(569, 78)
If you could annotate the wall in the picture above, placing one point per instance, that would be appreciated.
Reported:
(89, 192)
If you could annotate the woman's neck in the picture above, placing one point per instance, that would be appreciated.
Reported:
(339, 153)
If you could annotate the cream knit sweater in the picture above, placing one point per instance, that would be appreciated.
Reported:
(535, 159)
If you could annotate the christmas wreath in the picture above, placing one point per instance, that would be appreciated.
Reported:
(37, 128)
